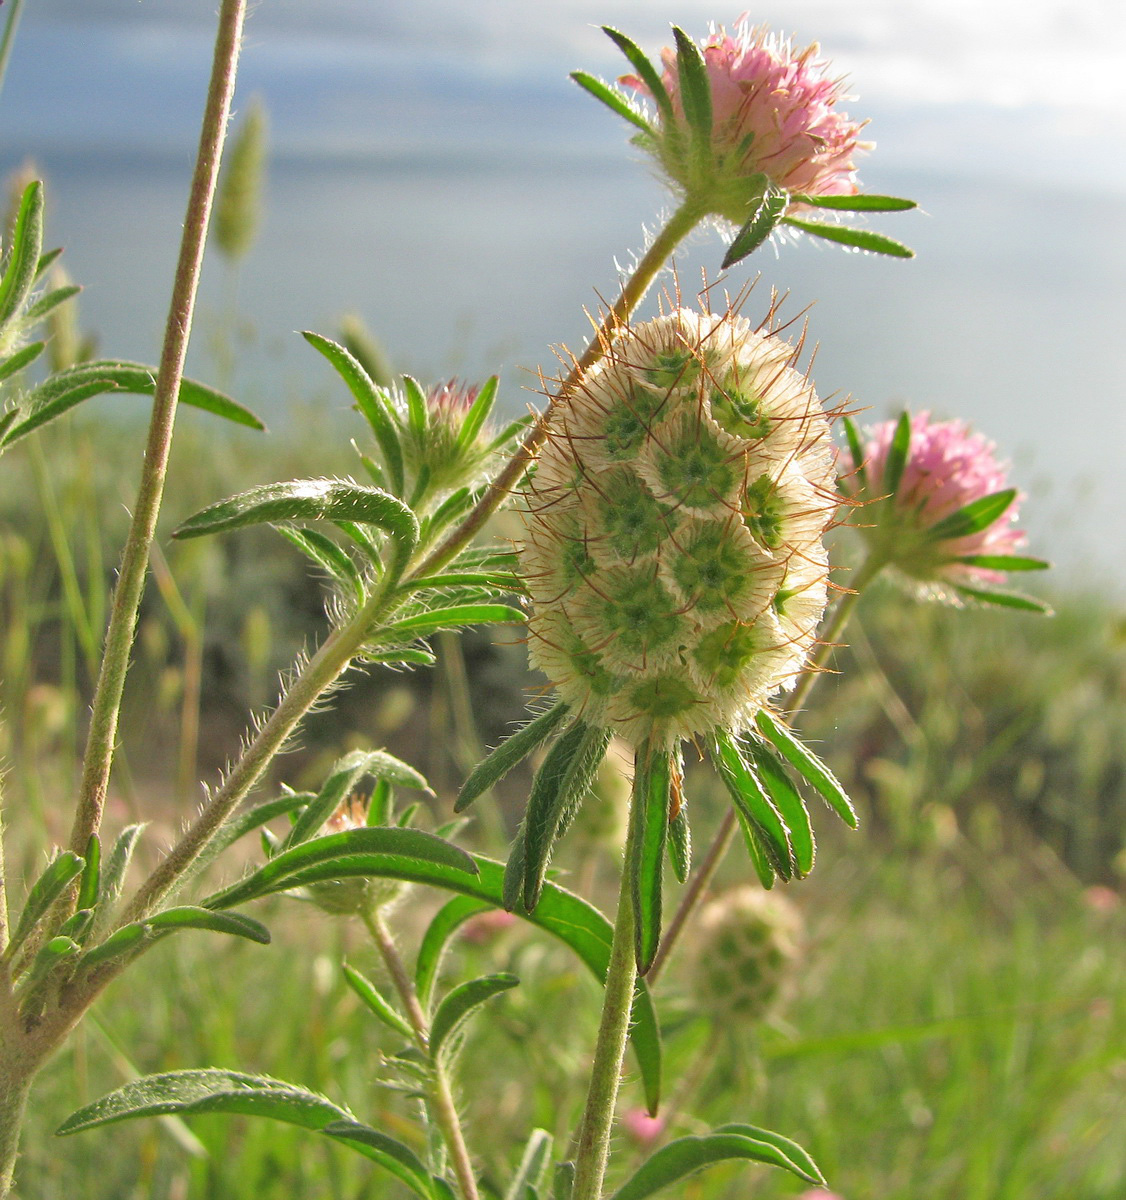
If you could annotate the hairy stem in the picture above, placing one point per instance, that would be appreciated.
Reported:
(134, 563)
(680, 224)
(442, 1100)
(705, 873)
(613, 1031)
(14, 1088)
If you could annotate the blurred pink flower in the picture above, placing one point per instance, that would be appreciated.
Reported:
(773, 113)
(486, 926)
(948, 467)
(641, 1127)
(1101, 899)
(819, 1193)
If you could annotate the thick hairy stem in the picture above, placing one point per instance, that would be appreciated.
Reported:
(613, 1031)
(442, 1100)
(680, 224)
(19, 1063)
(703, 875)
(134, 563)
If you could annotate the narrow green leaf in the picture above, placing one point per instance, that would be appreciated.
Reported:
(859, 239)
(680, 845)
(758, 226)
(46, 261)
(645, 70)
(789, 1148)
(376, 1003)
(478, 413)
(208, 1090)
(559, 788)
(390, 1153)
(510, 431)
(533, 1166)
(448, 511)
(859, 203)
(499, 581)
(122, 941)
(695, 87)
(22, 260)
(418, 413)
(253, 818)
(371, 400)
(359, 535)
(686, 1155)
(381, 805)
(442, 1190)
(613, 100)
(787, 800)
(751, 800)
(113, 875)
(756, 842)
(564, 1182)
(1003, 562)
(90, 887)
(62, 870)
(445, 923)
(898, 453)
(329, 557)
(47, 303)
(367, 851)
(16, 362)
(810, 767)
(7, 420)
(407, 656)
(1005, 599)
(191, 917)
(60, 948)
(973, 518)
(453, 618)
(459, 1005)
(856, 450)
(652, 796)
(346, 773)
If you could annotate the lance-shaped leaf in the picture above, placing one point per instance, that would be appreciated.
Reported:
(1003, 562)
(121, 942)
(897, 455)
(1004, 599)
(859, 239)
(478, 413)
(558, 790)
(192, 917)
(371, 400)
(345, 774)
(376, 1003)
(680, 845)
(21, 263)
(48, 303)
(533, 1166)
(511, 751)
(60, 872)
(261, 814)
(89, 888)
(758, 226)
(973, 518)
(787, 800)
(762, 858)
(810, 767)
(695, 89)
(209, 1090)
(60, 948)
(645, 70)
(64, 389)
(856, 450)
(113, 872)
(791, 1149)
(16, 362)
(651, 799)
(329, 557)
(391, 1154)
(446, 922)
(858, 203)
(77, 925)
(684, 1156)
(457, 1008)
(753, 804)
(389, 851)
(613, 100)
(454, 617)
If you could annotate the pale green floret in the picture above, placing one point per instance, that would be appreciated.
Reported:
(636, 616)
(763, 512)
(713, 571)
(664, 697)
(574, 562)
(673, 368)
(588, 666)
(693, 467)
(629, 520)
(628, 423)
(724, 654)
(740, 412)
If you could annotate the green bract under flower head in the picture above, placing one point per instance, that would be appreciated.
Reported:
(674, 523)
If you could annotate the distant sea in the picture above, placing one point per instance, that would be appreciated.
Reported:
(1011, 317)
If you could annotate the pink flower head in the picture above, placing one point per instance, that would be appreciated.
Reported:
(923, 523)
(643, 1129)
(451, 401)
(773, 114)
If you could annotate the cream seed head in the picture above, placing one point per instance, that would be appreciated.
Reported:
(673, 547)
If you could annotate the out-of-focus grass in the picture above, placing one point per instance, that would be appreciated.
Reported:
(951, 1036)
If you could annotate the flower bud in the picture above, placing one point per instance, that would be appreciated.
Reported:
(352, 896)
